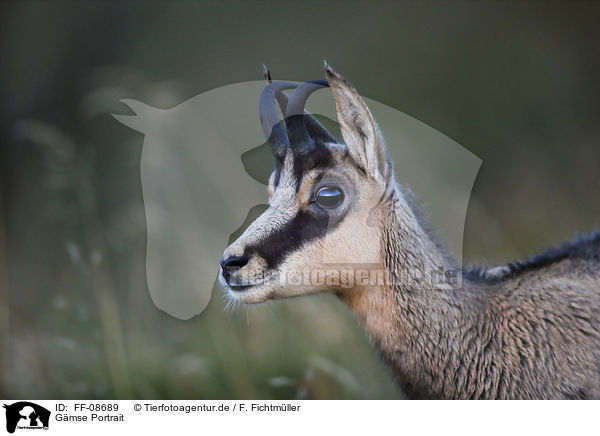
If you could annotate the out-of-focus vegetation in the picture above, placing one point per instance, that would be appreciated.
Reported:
(516, 83)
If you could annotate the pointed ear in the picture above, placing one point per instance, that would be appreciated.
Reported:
(360, 132)
(141, 110)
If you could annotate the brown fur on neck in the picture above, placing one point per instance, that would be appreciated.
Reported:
(404, 323)
(510, 340)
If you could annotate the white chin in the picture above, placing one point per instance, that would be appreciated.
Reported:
(244, 294)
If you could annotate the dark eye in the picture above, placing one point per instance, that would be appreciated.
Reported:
(329, 197)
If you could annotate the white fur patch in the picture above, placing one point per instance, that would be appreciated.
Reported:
(496, 272)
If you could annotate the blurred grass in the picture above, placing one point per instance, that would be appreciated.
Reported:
(515, 83)
(96, 339)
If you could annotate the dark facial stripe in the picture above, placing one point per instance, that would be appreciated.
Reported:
(320, 158)
(306, 226)
(278, 165)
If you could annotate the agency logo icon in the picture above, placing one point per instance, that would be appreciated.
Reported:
(26, 415)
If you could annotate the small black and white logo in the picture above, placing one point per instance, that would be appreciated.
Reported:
(26, 415)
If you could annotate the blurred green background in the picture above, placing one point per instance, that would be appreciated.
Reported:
(515, 83)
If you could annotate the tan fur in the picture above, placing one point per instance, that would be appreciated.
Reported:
(304, 191)
(271, 186)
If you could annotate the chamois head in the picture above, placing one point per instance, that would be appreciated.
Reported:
(323, 196)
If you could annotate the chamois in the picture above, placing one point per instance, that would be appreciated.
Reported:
(525, 330)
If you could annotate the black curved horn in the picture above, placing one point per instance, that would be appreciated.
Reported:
(303, 128)
(272, 127)
(315, 128)
(282, 98)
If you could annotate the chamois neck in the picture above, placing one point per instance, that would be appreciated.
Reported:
(409, 318)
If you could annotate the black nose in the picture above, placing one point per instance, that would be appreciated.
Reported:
(231, 264)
